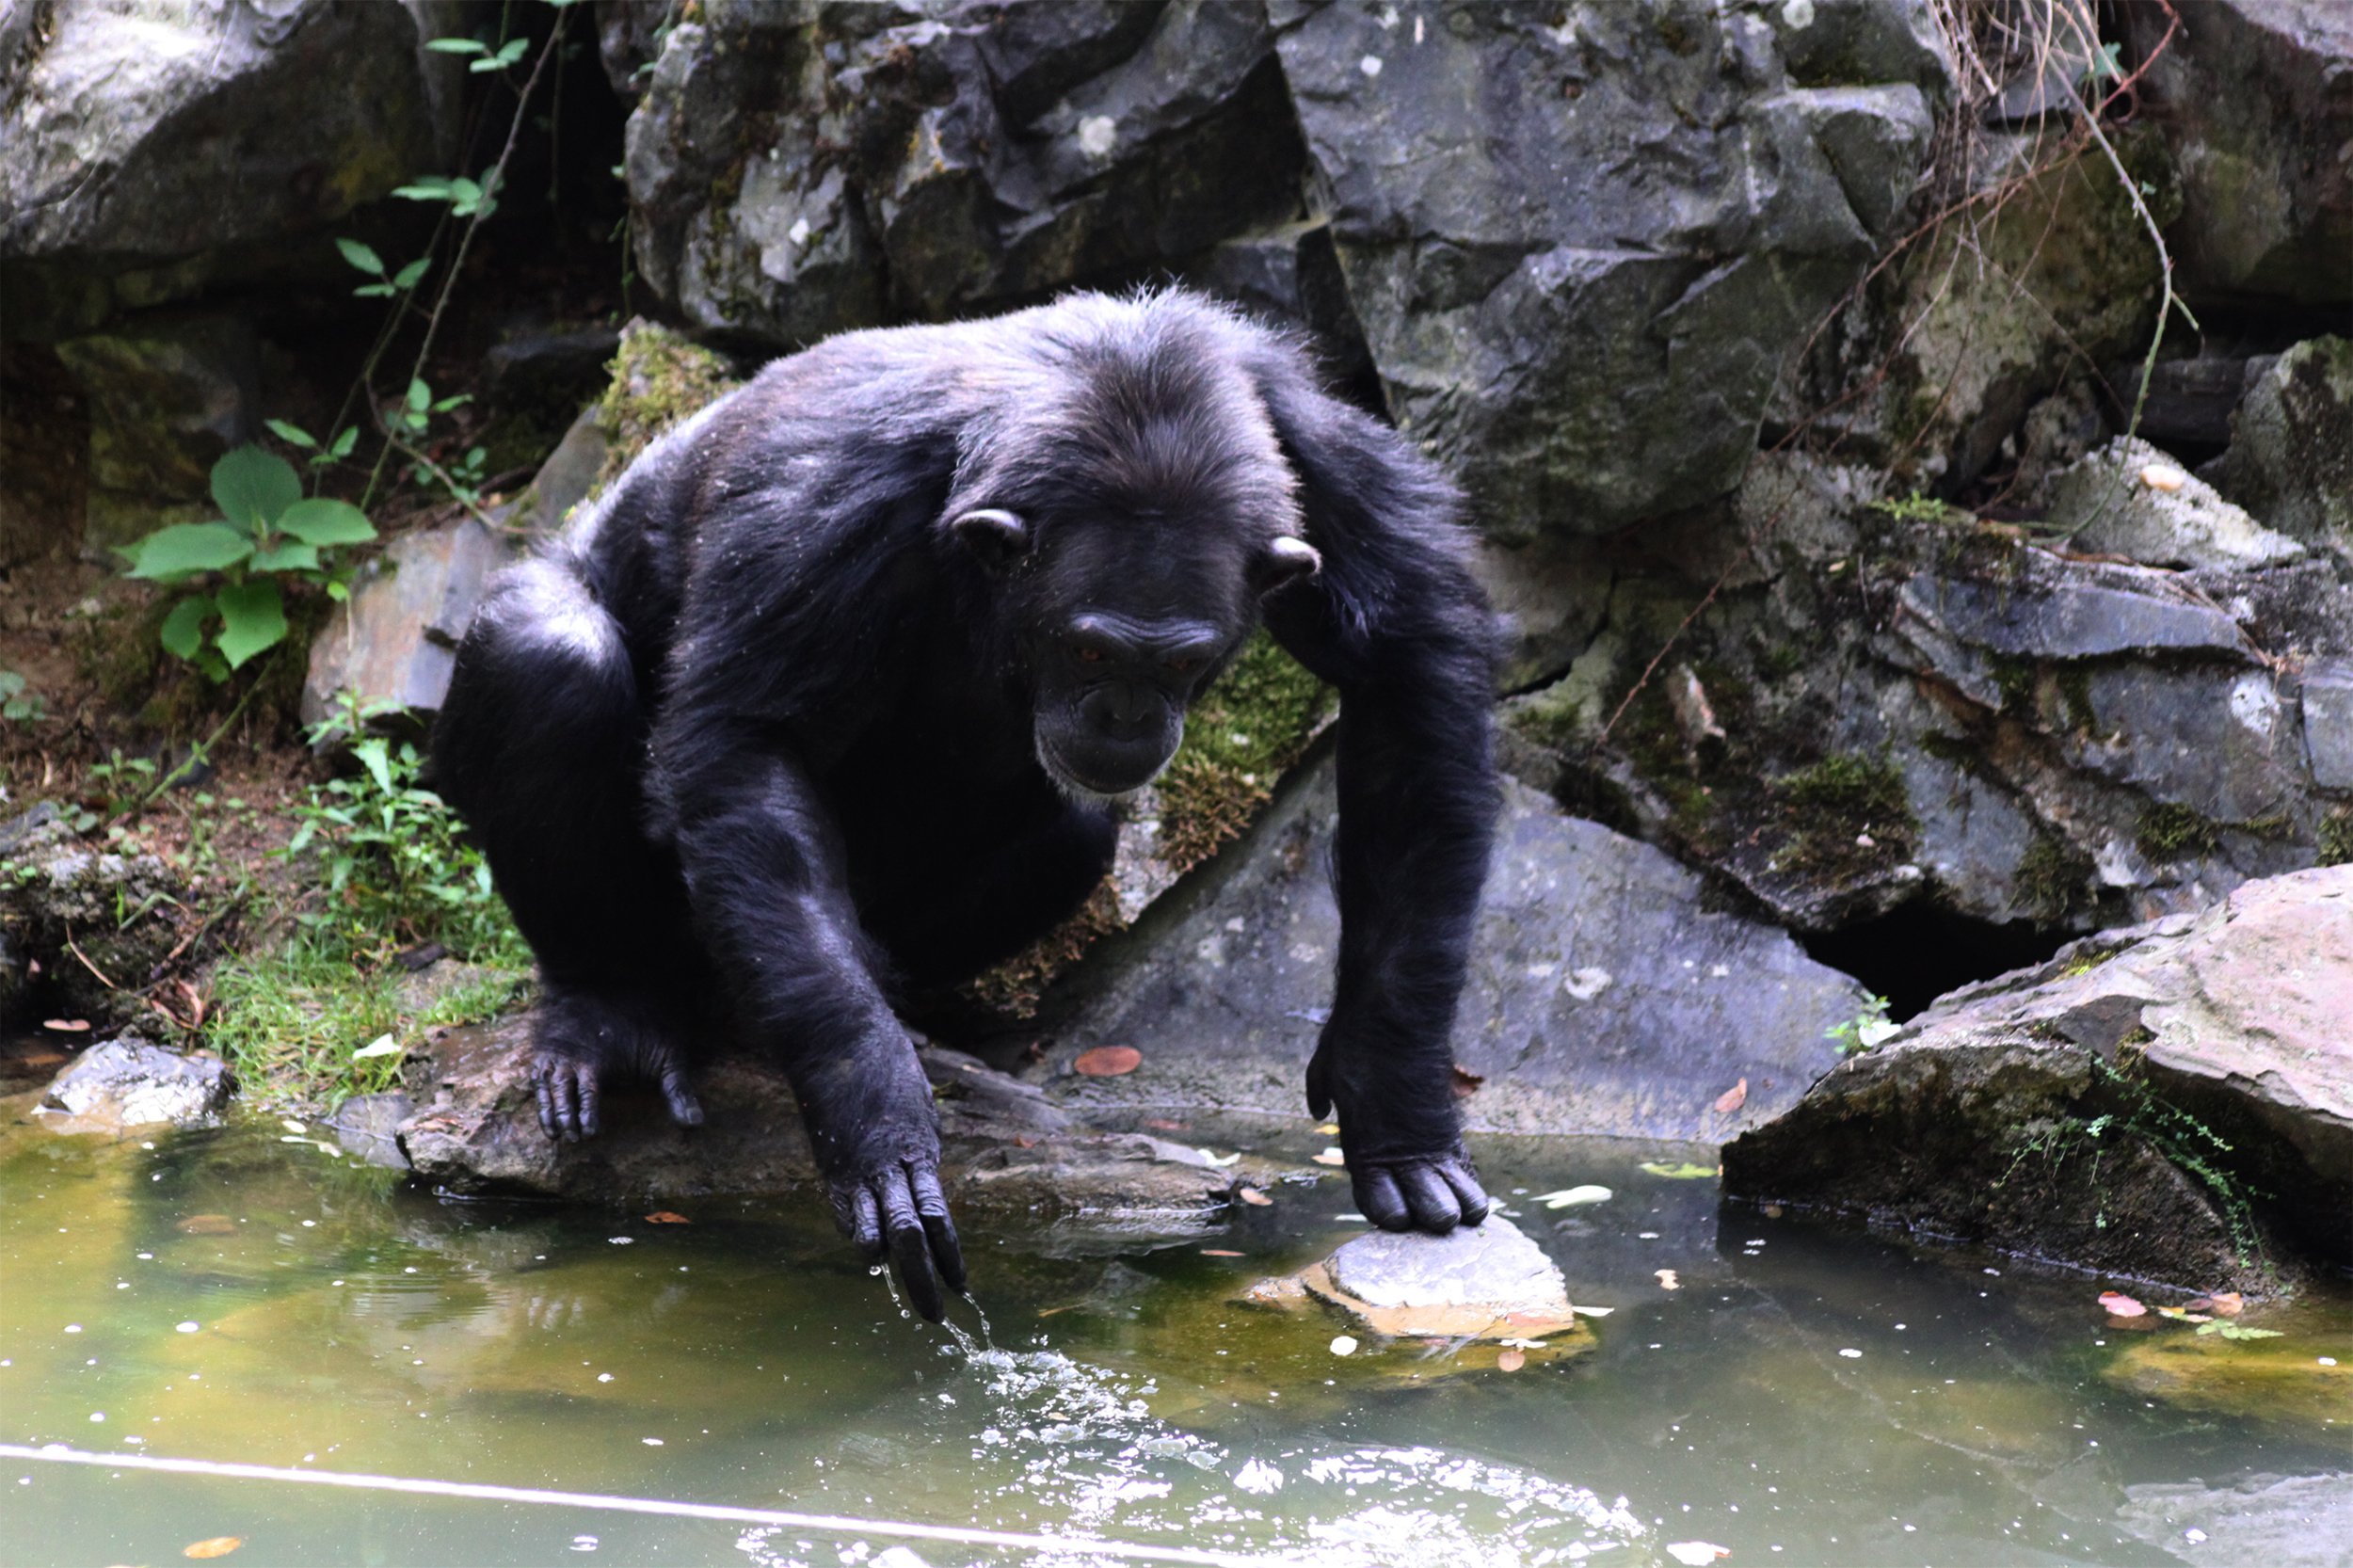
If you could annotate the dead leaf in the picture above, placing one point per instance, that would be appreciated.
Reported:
(1108, 1062)
(1466, 1082)
(1162, 1124)
(1733, 1098)
(1511, 1360)
(1330, 1156)
(2121, 1306)
(1685, 1172)
(1255, 1198)
(219, 1545)
(1219, 1251)
(1668, 1281)
(1023, 1141)
(1693, 1553)
(67, 1026)
(208, 1225)
(663, 1217)
(2222, 1304)
(1330, 1130)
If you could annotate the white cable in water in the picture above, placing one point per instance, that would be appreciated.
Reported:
(835, 1524)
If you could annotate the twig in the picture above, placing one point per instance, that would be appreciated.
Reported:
(492, 182)
(203, 749)
(463, 497)
(75, 949)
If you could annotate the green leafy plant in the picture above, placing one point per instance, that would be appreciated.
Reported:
(18, 702)
(268, 532)
(465, 197)
(1867, 1029)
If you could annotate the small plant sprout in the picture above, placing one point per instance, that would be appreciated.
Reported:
(1867, 1029)
(267, 532)
(386, 285)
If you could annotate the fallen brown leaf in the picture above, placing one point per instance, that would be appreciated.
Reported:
(1466, 1082)
(2222, 1304)
(1733, 1098)
(1162, 1124)
(1329, 1157)
(1255, 1198)
(208, 1225)
(663, 1217)
(2121, 1306)
(1511, 1360)
(67, 1026)
(219, 1545)
(1108, 1062)
(1219, 1251)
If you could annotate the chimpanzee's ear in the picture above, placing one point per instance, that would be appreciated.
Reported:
(1283, 561)
(994, 535)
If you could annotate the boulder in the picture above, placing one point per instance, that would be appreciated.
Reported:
(395, 638)
(2129, 499)
(1929, 714)
(474, 1128)
(168, 393)
(797, 170)
(2166, 1102)
(2291, 456)
(122, 1083)
(1489, 1283)
(1604, 996)
(1580, 243)
(154, 147)
(2251, 94)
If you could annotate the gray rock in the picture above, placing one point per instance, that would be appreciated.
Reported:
(1603, 997)
(128, 1082)
(1493, 1266)
(155, 147)
(2068, 615)
(2075, 1111)
(1589, 335)
(397, 637)
(168, 395)
(2282, 1522)
(83, 914)
(797, 170)
(2328, 699)
(369, 1126)
(1008, 1153)
(2250, 95)
(2291, 457)
(2117, 500)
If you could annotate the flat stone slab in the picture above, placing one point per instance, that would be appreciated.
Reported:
(1604, 995)
(1489, 1284)
(128, 1082)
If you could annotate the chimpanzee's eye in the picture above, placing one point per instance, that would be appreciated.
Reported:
(1090, 656)
(1184, 666)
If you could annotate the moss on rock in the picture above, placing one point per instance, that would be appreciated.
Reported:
(659, 379)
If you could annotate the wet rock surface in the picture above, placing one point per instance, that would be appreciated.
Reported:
(1603, 997)
(1008, 1152)
(2163, 1102)
(127, 1082)
(2285, 1521)
(1492, 1281)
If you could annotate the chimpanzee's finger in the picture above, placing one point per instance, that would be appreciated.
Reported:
(685, 1108)
(910, 1248)
(539, 1075)
(1319, 1088)
(861, 1222)
(590, 1122)
(567, 1105)
(1379, 1201)
(1430, 1199)
(1467, 1191)
(931, 1206)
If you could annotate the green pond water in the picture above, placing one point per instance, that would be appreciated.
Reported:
(225, 1294)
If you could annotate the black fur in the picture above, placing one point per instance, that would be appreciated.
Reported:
(827, 696)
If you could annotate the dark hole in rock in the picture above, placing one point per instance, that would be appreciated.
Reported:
(1917, 952)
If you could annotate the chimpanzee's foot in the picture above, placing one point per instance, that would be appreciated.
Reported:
(581, 1041)
(1402, 1137)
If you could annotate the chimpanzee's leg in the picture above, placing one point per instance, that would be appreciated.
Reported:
(540, 745)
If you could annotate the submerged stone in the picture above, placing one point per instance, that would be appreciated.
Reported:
(1489, 1283)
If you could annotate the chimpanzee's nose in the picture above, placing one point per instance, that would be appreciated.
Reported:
(1121, 707)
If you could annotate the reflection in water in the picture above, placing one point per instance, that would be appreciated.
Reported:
(218, 1295)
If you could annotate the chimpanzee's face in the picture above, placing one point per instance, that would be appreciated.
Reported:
(1122, 620)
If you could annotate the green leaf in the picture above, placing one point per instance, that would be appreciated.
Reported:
(323, 521)
(360, 256)
(252, 487)
(185, 548)
(183, 630)
(433, 187)
(514, 48)
(408, 276)
(343, 444)
(1684, 1172)
(457, 46)
(293, 435)
(285, 555)
(420, 396)
(253, 620)
(376, 756)
(374, 290)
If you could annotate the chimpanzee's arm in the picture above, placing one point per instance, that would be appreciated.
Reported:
(1395, 622)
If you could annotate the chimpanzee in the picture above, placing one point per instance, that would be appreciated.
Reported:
(836, 692)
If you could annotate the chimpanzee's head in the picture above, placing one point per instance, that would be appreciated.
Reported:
(1133, 516)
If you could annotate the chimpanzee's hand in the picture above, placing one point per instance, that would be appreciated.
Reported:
(1401, 1135)
(579, 1043)
(876, 1137)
